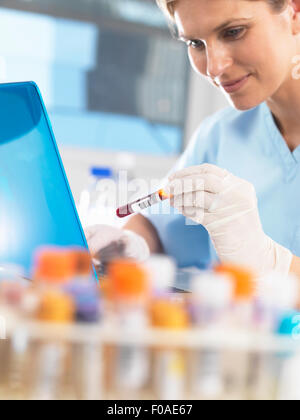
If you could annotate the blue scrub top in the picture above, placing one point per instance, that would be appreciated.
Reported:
(249, 145)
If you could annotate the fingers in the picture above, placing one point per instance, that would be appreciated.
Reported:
(200, 199)
(135, 246)
(101, 236)
(89, 232)
(211, 196)
(196, 214)
(207, 182)
(199, 170)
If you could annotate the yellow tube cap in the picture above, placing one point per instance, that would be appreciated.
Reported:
(168, 314)
(56, 307)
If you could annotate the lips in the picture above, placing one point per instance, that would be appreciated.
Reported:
(233, 82)
(234, 86)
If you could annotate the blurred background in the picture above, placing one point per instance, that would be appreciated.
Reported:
(113, 79)
(121, 96)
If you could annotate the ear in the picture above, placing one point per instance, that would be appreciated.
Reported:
(295, 5)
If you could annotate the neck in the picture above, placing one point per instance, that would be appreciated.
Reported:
(286, 113)
(285, 107)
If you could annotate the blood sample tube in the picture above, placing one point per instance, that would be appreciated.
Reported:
(142, 203)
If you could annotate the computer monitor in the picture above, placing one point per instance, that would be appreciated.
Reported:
(36, 205)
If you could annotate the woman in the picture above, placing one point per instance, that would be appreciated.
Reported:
(243, 161)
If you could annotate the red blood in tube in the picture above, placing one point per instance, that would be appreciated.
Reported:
(123, 211)
(151, 198)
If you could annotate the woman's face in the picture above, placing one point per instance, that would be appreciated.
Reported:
(256, 45)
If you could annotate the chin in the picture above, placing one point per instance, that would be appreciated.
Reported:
(244, 104)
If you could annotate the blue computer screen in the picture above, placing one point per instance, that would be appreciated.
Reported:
(36, 205)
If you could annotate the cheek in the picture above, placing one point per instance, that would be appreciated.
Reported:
(268, 54)
(198, 61)
(270, 68)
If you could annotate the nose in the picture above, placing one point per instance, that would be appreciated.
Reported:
(218, 60)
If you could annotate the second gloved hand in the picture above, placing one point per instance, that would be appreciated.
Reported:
(101, 237)
(227, 207)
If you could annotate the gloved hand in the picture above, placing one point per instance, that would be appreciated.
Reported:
(227, 207)
(101, 236)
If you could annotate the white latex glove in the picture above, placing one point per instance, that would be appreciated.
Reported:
(101, 236)
(227, 207)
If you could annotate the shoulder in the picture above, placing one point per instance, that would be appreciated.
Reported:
(225, 128)
(229, 118)
(217, 127)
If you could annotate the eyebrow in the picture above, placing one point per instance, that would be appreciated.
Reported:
(217, 29)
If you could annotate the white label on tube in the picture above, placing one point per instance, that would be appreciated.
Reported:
(146, 202)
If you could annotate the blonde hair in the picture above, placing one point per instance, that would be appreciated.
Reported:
(167, 6)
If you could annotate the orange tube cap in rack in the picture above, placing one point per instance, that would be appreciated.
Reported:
(128, 280)
(54, 265)
(244, 280)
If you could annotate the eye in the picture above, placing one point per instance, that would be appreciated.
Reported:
(234, 33)
(196, 44)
